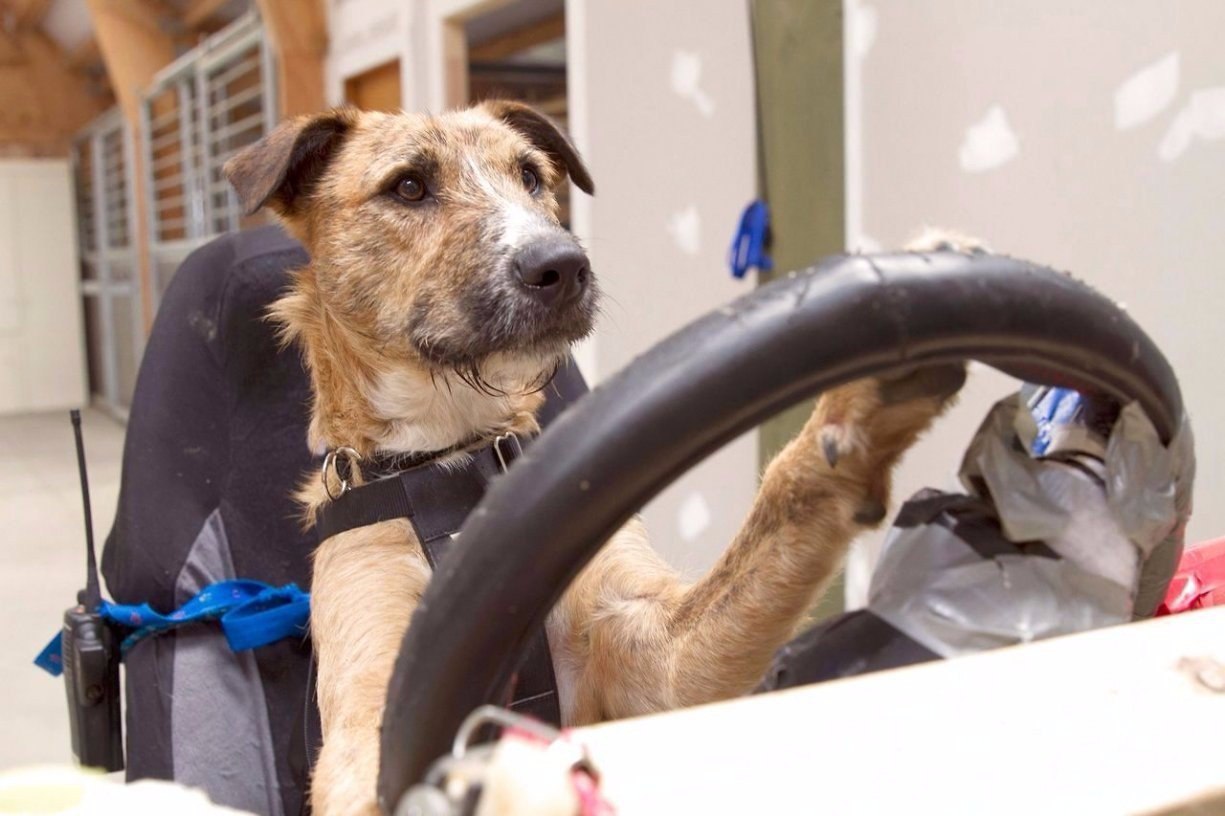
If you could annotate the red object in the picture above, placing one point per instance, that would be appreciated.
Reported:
(1199, 581)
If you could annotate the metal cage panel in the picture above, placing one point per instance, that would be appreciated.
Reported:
(103, 175)
(200, 110)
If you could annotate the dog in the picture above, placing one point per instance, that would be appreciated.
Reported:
(441, 293)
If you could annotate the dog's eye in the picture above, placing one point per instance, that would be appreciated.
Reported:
(531, 182)
(411, 189)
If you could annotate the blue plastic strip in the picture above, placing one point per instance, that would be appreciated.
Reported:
(252, 614)
(748, 248)
(1057, 407)
(51, 658)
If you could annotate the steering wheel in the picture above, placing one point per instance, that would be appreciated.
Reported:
(846, 318)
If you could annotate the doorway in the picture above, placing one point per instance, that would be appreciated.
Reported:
(377, 89)
(518, 51)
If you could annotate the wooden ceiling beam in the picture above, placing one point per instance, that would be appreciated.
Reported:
(85, 55)
(200, 12)
(28, 14)
(133, 47)
(46, 103)
(10, 50)
(154, 16)
(520, 39)
(296, 25)
(298, 32)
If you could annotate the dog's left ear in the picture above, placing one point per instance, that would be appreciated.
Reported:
(541, 132)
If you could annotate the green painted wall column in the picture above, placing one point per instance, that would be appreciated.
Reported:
(801, 166)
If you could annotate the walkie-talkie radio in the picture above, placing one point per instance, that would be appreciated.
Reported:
(91, 657)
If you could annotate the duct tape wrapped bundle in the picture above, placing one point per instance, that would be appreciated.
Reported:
(1073, 519)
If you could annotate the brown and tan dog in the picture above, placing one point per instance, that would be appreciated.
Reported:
(441, 293)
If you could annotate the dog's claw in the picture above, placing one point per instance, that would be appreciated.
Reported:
(830, 446)
(870, 513)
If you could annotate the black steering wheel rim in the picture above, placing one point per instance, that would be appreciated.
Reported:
(610, 453)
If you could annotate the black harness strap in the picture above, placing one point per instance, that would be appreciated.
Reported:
(436, 499)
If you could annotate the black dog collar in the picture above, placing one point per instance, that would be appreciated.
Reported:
(435, 495)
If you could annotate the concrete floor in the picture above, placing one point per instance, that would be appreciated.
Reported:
(42, 565)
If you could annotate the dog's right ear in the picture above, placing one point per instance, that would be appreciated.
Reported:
(281, 168)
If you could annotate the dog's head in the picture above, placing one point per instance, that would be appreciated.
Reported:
(434, 238)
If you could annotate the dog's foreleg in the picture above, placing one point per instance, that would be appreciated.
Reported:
(365, 586)
(825, 487)
(651, 643)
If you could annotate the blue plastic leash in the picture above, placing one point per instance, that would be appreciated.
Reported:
(251, 613)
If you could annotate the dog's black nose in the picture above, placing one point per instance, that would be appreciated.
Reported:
(553, 271)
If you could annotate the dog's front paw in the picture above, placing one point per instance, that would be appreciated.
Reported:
(841, 419)
(864, 427)
(935, 239)
(858, 417)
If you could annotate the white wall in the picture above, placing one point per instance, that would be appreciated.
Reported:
(1087, 135)
(364, 34)
(662, 106)
(42, 361)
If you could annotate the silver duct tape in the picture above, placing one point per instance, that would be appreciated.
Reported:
(1040, 546)
(1149, 487)
(942, 593)
(1148, 484)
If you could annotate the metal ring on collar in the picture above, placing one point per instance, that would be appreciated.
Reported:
(330, 463)
(515, 449)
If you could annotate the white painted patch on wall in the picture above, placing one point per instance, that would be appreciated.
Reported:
(1208, 108)
(1203, 117)
(693, 517)
(686, 81)
(686, 230)
(1146, 93)
(863, 30)
(1178, 136)
(989, 143)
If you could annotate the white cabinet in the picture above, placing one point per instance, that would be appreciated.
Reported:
(42, 362)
